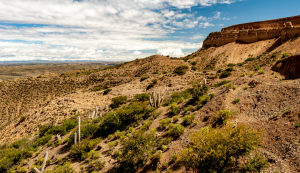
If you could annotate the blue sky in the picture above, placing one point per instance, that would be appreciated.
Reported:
(121, 30)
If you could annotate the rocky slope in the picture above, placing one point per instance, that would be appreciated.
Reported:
(264, 77)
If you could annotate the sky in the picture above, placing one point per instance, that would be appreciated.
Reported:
(121, 30)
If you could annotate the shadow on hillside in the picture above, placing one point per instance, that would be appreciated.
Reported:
(66, 148)
(149, 168)
(288, 67)
(275, 45)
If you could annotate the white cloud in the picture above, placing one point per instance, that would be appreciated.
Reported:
(171, 52)
(217, 15)
(137, 52)
(93, 29)
(205, 24)
(196, 37)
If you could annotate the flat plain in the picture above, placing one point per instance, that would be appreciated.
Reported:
(11, 71)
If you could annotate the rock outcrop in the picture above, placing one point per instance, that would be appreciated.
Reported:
(268, 24)
(238, 33)
(290, 67)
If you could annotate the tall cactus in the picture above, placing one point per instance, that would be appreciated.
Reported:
(155, 100)
(75, 138)
(93, 114)
(78, 129)
(43, 165)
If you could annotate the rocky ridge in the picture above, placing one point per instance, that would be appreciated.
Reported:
(253, 32)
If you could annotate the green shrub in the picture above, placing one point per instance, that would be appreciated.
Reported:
(188, 108)
(254, 164)
(261, 72)
(246, 88)
(156, 72)
(174, 108)
(146, 125)
(142, 97)
(117, 101)
(234, 87)
(66, 126)
(194, 63)
(220, 149)
(164, 123)
(212, 95)
(66, 168)
(175, 118)
(107, 91)
(285, 54)
(297, 125)
(137, 149)
(174, 157)
(118, 134)
(94, 155)
(224, 116)
(231, 65)
(41, 141)
(176, 130)
(13, 154)
(153, 82)
(181, 70)
(112, 144)
(229, 69)
(250, 59)
(143, 78)
(122, 118)
(222, 83)
(229, 85)
(198, 91)
(236, 100)
(242, 75)
(23, 118)
(97, 88)
(257, 67)
(204, 99)
(81, 150)
(225, 74)
(23, 170)
(117, 153)
(87, 129)
(178, 97)
(194, 68)
(188, 119)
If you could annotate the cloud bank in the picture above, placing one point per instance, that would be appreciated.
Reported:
(97, 29)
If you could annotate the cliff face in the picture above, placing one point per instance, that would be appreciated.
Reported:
(270, 24)
(286, 32)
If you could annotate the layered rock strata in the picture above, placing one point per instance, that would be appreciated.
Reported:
(267, 24)
(286, 32)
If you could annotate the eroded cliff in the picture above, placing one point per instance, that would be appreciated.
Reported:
(285, 32)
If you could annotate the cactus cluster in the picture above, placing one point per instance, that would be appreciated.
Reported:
(95, 113)
(155, 100)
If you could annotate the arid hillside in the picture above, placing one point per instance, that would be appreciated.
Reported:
(154, 115)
